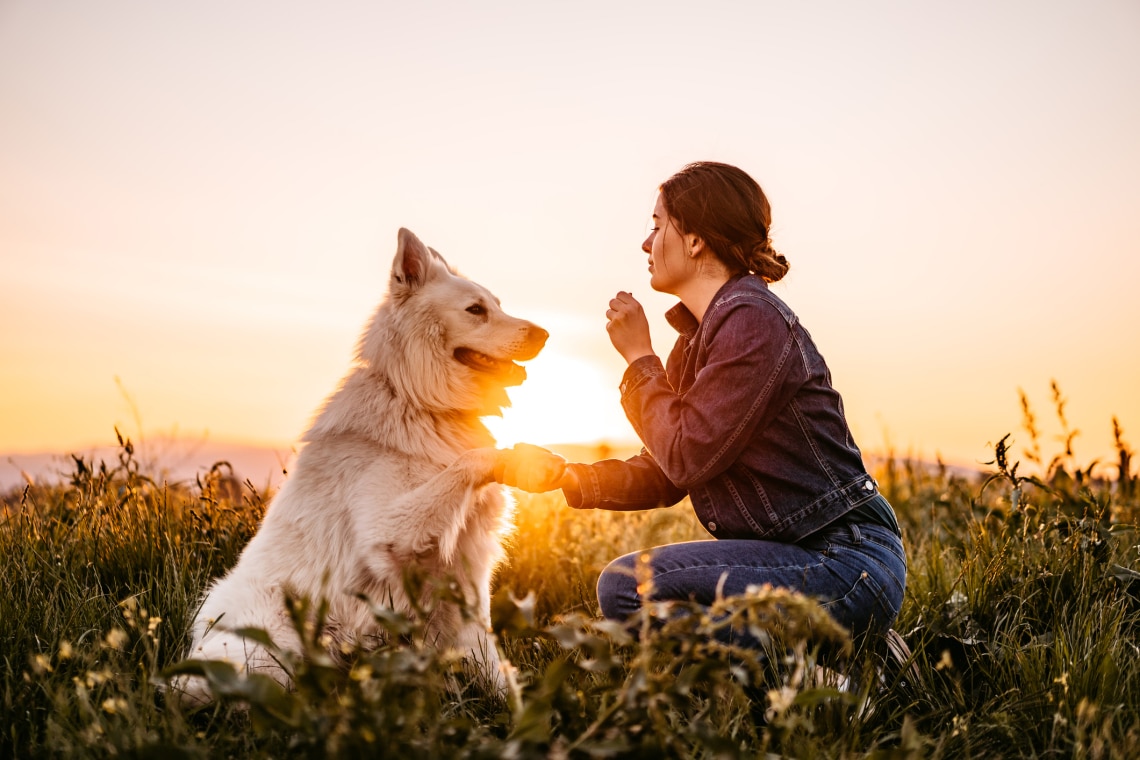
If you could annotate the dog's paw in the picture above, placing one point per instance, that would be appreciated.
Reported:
(531, 468)
(188, 692)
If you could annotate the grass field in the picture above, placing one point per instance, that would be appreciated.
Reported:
(1022, 611)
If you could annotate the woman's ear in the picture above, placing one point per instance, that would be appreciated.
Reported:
(696, 246)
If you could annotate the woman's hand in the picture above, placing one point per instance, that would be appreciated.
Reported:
(530, 468)
(628, 327)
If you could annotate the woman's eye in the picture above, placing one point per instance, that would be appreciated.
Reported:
(476, 309)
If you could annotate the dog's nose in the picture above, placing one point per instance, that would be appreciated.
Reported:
(536, 335)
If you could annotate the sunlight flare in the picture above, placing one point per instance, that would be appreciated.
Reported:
(564, 400)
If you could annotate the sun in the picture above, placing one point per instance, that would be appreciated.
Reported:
(564, 400)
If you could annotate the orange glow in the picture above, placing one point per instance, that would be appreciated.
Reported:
(202, 200)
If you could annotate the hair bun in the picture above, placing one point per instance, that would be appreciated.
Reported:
(767, 262)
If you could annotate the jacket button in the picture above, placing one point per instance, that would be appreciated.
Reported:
(712, 526)
(869, 486)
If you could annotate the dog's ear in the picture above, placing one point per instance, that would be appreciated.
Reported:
(442, 260)
(414, 262)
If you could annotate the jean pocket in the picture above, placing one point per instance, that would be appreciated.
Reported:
(865, 605)
(890, 557)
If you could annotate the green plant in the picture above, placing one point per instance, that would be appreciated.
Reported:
(1022, 612)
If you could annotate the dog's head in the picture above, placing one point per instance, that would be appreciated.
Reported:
(444, 340)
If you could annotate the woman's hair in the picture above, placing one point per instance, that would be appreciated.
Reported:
(726, 208)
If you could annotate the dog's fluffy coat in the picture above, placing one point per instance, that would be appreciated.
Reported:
(396, 471)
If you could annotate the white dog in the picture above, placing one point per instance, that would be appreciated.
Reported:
(396, 471)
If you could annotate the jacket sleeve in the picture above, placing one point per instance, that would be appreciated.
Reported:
(623, 486)
(749, 373)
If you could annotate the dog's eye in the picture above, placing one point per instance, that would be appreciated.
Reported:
(477, 309)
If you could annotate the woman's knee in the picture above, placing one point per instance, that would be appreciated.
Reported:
(617, 589)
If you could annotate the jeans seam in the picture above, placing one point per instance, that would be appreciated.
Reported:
(889, 547)
(869, 537)
(900, 556)
(722, 565)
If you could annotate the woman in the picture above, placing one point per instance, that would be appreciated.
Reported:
(742, 418)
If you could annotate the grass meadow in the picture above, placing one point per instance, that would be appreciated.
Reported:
(1022, 613)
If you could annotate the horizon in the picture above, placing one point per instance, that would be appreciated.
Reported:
(267, 466)
(181, 458)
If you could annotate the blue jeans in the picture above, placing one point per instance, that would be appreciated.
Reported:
(856, 572)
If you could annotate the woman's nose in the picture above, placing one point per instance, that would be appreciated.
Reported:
(647, 246)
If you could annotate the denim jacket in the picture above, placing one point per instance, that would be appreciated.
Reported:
(743, 419)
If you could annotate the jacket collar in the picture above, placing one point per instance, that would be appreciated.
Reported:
(683, 321)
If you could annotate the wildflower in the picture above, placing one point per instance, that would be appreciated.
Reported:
(114, 705)
(946, 661)
(644, 574)
(96, 677)
(1086, 711)
(41, 663)
(1063, 680)
(65, 650)
(116, 638)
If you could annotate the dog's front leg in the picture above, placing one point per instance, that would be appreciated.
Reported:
(478, 643)
(436, 512)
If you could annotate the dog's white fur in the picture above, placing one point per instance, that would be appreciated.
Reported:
(396, 471)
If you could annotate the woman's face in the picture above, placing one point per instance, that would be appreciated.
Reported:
(670, 265)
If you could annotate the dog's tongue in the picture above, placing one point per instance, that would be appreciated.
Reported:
(504, 370)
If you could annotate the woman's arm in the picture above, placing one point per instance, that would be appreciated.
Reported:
(620, 485)
(750, 370)
(636, 483)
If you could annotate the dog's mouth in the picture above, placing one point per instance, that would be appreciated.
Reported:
(504, 369)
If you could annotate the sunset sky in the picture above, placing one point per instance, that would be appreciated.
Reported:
(199, 201)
